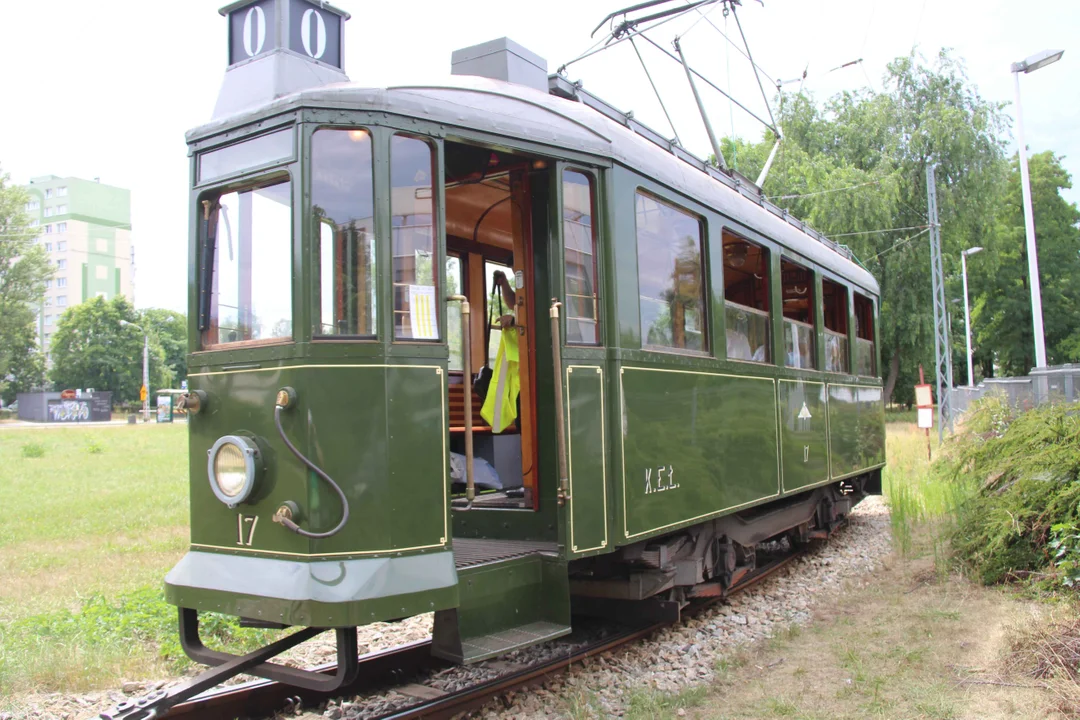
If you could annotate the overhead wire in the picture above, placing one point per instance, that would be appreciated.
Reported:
(877, 232)
(655, 90)
(757, 77)
(713, 85)
(737, 48)
(594, 49)
(903, 242)
(823, 192)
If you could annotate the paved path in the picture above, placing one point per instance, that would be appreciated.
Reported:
(25, 425)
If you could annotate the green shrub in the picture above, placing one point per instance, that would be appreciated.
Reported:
(33, 450)
(94, 447)
(1027, 466)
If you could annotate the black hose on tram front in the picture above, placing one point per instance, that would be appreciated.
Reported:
(287, 522)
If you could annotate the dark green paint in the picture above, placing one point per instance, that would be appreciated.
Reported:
(804, 439)
(497, 598)
(373, 429)
(587, 459)
(717, 432)
(856, 429)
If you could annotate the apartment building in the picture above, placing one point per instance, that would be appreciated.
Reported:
(86, 230)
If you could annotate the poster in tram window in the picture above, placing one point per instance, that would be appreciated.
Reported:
(422, 312)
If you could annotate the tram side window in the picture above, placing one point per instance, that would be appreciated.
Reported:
(579, 238)
(412, 221)
(249, 293)
(342, 206)
(864, 336)
(746, 299)
(798, 296)
(836, 326)
(670, 259)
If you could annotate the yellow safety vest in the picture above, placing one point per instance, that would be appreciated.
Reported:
(500, 405)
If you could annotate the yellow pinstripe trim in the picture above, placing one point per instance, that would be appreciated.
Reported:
(622, 409)
(828, 459)
(445, 486)
(603, 456)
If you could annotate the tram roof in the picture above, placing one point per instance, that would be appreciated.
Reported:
(517, 111)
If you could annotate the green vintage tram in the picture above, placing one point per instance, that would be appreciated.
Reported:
(681, 369)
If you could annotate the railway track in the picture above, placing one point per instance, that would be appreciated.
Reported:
(402, 669)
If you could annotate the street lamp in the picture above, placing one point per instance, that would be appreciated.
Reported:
(145, 369)
(967, 316)
(1028, 65)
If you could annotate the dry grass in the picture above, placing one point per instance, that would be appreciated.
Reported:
(905, 645)
(1047, 648)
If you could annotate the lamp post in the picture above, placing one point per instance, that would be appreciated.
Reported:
(145, 369)
(967, 315)
(1031, 64)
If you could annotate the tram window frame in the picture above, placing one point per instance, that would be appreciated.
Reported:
(314, 253)
(836, 324)
(437, 256)
(808, 360)
(594, 232)
(703, 312)
(730, 236)
(865, 329)
(207, 295)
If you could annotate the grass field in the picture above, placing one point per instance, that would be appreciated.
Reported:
(92, 519)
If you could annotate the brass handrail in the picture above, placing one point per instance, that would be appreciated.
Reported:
(560, 421)
(466, 355)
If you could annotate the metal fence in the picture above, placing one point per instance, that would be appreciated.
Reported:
(1058, 384)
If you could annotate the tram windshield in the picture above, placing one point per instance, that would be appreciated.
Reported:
(249, 293)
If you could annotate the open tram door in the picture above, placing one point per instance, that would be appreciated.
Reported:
(491, 203)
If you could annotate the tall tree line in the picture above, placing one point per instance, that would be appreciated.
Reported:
(854, 166)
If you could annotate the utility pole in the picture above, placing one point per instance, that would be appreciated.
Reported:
(942, 341)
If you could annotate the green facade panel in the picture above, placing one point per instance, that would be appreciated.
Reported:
(856, 429)
(587, 458)
(372, 428)
(803, 433)
(694, 444)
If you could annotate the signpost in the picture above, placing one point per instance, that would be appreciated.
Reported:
(924, 401)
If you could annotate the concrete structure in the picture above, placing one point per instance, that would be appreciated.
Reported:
(86, 230)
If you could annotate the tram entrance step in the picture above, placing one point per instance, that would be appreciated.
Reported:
(505, 605)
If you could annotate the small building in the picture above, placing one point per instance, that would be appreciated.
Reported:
(62, 407)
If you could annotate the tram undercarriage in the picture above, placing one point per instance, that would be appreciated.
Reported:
(657, 577)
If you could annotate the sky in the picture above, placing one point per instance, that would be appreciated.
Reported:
(107, 89)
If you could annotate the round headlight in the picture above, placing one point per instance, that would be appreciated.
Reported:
(231, 468)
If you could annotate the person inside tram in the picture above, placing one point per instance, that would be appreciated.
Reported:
(509, 297)
(502, 405)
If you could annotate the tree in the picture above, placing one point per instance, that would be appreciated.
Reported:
(26, 370)
(170, 330)
(24, 268)
(1002, 304)
(90, 348)
(856, 166)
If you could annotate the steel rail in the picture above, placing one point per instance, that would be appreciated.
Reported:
(395, 666)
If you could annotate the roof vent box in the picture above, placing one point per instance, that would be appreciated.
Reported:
(502, 59)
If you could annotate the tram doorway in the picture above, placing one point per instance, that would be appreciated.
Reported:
(489, 260)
